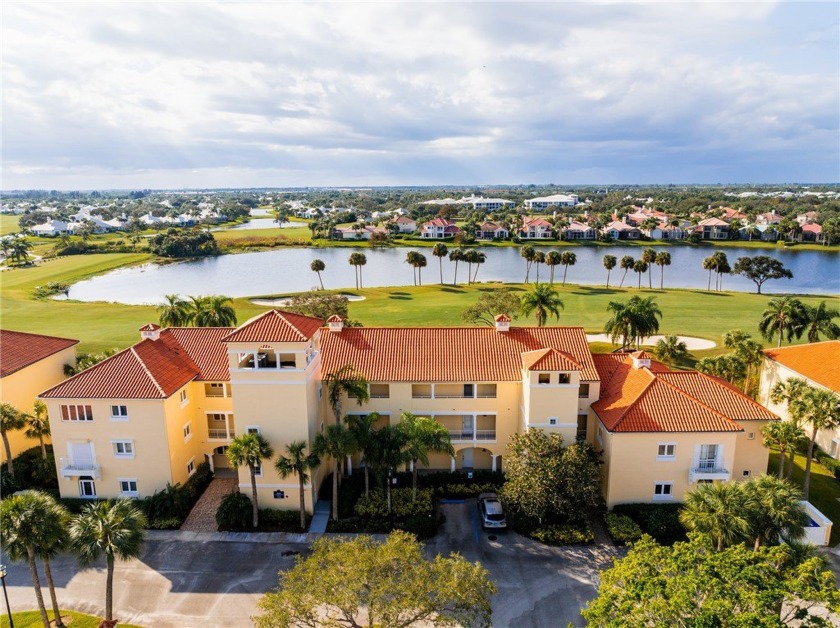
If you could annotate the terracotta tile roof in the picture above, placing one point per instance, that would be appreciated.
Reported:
(719, 394)
(818, 361)
(812, 228)
(19, 349)
(439, 222)
(549, 360)
(657, 400)
(150, 327)
(534, 221)
(448, 354)
(276, 326)
(204, 345)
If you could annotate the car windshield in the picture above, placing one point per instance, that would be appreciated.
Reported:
(496, 517)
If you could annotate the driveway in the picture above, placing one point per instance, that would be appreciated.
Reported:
(181, 583)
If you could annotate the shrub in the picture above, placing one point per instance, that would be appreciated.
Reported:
(184, 243)
(661, 521)
(360, 525)
(31, 472)
(564, 535)
(171, 523)
(273, 520)
(438, 479)
(197, 483)
(421, 526)
(171, 502)
(465, 490)
(376, 503)
(234, 513)
(49, 289)
(76, 504)
(622, 529)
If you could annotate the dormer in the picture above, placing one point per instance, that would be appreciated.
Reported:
(502, 322)
(641, 359)
(150, 331)
(335, 323)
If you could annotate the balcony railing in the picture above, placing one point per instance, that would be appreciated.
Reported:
(708, 472)
(214, 434)
(470, 435)
(71, 468)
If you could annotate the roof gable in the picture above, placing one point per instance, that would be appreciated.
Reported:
(818, 361)
(20, 349)
(276, 326)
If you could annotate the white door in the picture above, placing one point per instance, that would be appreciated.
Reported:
(467, 427)
(81, 455)
(468, 458)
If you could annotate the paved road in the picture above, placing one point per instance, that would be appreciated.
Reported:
(187, 583)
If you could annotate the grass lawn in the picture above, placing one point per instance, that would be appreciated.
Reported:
(32, 619)
(9, 224)
(825, 490)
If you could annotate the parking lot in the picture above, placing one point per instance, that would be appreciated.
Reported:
(184, 583)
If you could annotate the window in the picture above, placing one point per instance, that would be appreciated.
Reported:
(253, 429)
(832, 451)
(583, 391)
(188, 432)
(76, 413)
(320, 391)
(581, 427)
(216, 417)
(469, 391)
(380, 391)
(544, 378)
(662, 490)
(287, 360)
(87, 487)
(564, 378)
(708, 457)
(128, 488)
(123, 448)
(486, 391)
(191, 466)
(119, 413)
(421, 391)
(746, 473)
(214, 389)
(552, 420)
(750, 435)
(258, 471)
(666, 451)
(184, 399)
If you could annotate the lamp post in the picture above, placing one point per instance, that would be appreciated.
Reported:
(6, 595)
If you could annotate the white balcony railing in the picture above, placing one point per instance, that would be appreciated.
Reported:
(71, 468)
(214, 434)
(708, 472)
(460, 436)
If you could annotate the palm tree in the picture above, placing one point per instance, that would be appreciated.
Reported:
(10, 419)
(345, 381)
(174, 311)
(773, 510)
(35, 525)
(609, 263)
(716, 510)
(649, 257)
(357, 260)
(335, 442)
(785, 435)
(792, 393)
(20, 248)
(478, 259)
(212, 311)
(709, 264)
(819, 319)
(527, 253)
(552, 259)
(720, 263)
(318, 266)
(440, 251)
(412, 258)
(539, 258)
(640, 267)
(567, 259)
(663, 259)
(632, 320)
(783, 316)
(423, 436)
(297, 462)
(543, 301)
(250, 450)
(670, 349)
(457, 255)
(625, 264)
(38, 425)
(115, 529)
(822, 411)
(362, 426)
(387, 452)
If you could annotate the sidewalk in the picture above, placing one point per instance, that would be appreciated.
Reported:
(320, 518)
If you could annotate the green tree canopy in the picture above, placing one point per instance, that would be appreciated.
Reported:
(490, 304)
(760, 269)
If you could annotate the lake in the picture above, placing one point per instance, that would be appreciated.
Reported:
(286, 270)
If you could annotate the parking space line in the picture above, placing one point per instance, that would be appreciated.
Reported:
(474, 519)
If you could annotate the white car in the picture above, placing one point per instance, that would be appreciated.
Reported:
(491, 512)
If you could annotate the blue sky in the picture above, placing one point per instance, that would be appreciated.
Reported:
(221, 95)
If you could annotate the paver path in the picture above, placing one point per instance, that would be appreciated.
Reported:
(202, 517)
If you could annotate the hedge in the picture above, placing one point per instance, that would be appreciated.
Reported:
(31, 472)
(421, 526)
(566, 534)
(375, 505)
(621, 528)
(235, 513)
(661, 521)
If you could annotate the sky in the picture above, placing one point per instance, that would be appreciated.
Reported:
(197, 94)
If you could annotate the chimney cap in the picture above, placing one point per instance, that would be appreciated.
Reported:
(502, 318)
(335, 318)
(149, 327)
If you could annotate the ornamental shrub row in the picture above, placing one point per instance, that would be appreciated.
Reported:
(566, 534)
(622, 529)
(375, 505)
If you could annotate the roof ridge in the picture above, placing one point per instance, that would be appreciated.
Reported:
(688, 395)
(87, 370)
(731, 389)
(630, 406)
(279, 315)
(29, 333)
(147, 371)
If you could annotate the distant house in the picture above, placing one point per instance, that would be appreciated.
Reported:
(664, 231)
(439, 228)
(405, 224)
(487, 204)
(579, 231)
(536, 229)
(557, 200)
(355, 232)
(712, 229)
(769, 218)
(618, 230)
(811, 233)
(50, 228)
(807, 217)
(491, 231)
(765, 233)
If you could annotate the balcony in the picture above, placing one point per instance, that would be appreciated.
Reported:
(708, 472)
(217, 434)
(220, 426)
(71, 468)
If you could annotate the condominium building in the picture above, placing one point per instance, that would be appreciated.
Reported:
(151, 413)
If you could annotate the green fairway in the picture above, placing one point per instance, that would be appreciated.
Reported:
(32, 619)
(9, 224)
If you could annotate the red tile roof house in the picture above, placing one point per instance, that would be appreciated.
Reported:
(536, 229)
(621, 231)
(712, 229)
(439, 229)
(492, 231)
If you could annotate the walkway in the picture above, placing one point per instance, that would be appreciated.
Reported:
(202, 517)
(321, 517)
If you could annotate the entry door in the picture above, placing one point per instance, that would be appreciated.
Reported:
(467, 427)
(468, 458)
(81, 454)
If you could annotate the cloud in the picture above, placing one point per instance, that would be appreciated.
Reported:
(143, 95)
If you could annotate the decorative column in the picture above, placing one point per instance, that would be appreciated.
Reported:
(493, 457)
(452, 464)
(349, 465)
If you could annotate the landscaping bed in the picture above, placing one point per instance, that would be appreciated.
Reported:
(661, 521)
(235, 514)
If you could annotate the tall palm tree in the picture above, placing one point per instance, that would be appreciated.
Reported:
(567, 259)
(640, 267)
(709, 264)
(174, 311)
(543, 301)
(250, 450)
(456, 255)
(785, 435)
(791, 392)
(421, 264)
(633, 320)
(527, 253)
(819, 319)
(411, 258)
(38, 425)
(345, 381)
(357, 260)
(212, 311)
(317, 266)
(10, 419)
(114, 529)
(670, 349)
(387, 453)
(35, 525)
(539, 258)
(783, 316)
(297, 462)
(822, 412)
(649, 257)
(625, 264)
(721, 267)
(440, 251)
(773, 511)
(716, 510)
(20, 248)
(663, 259)
(478, 259)
(336, 442)
(362, 427)
(423, 436)
(552, 259)
(609, 263)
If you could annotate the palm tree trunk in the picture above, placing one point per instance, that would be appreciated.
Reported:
(608, 277)
(440, 262)
(650, 277)
(709, 284)
(782, 449)
(720, 544)
(527, 270)
(640, 281)
(780, 336)
(367, 480)
(806, 485)
(36, 584)
(419, 276)
(43, 446)
(414, 481)
(9, 465)
(455, 278)
(302, 504)
(109, 589)
(335, 491)
(361, 282)
(565, 270)
(757, 543)
(791, 460)
(551, 275)
(321, 281)
(661, 277)
(475, 275)
(388, 489)
(51, 585)
(255, 509)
